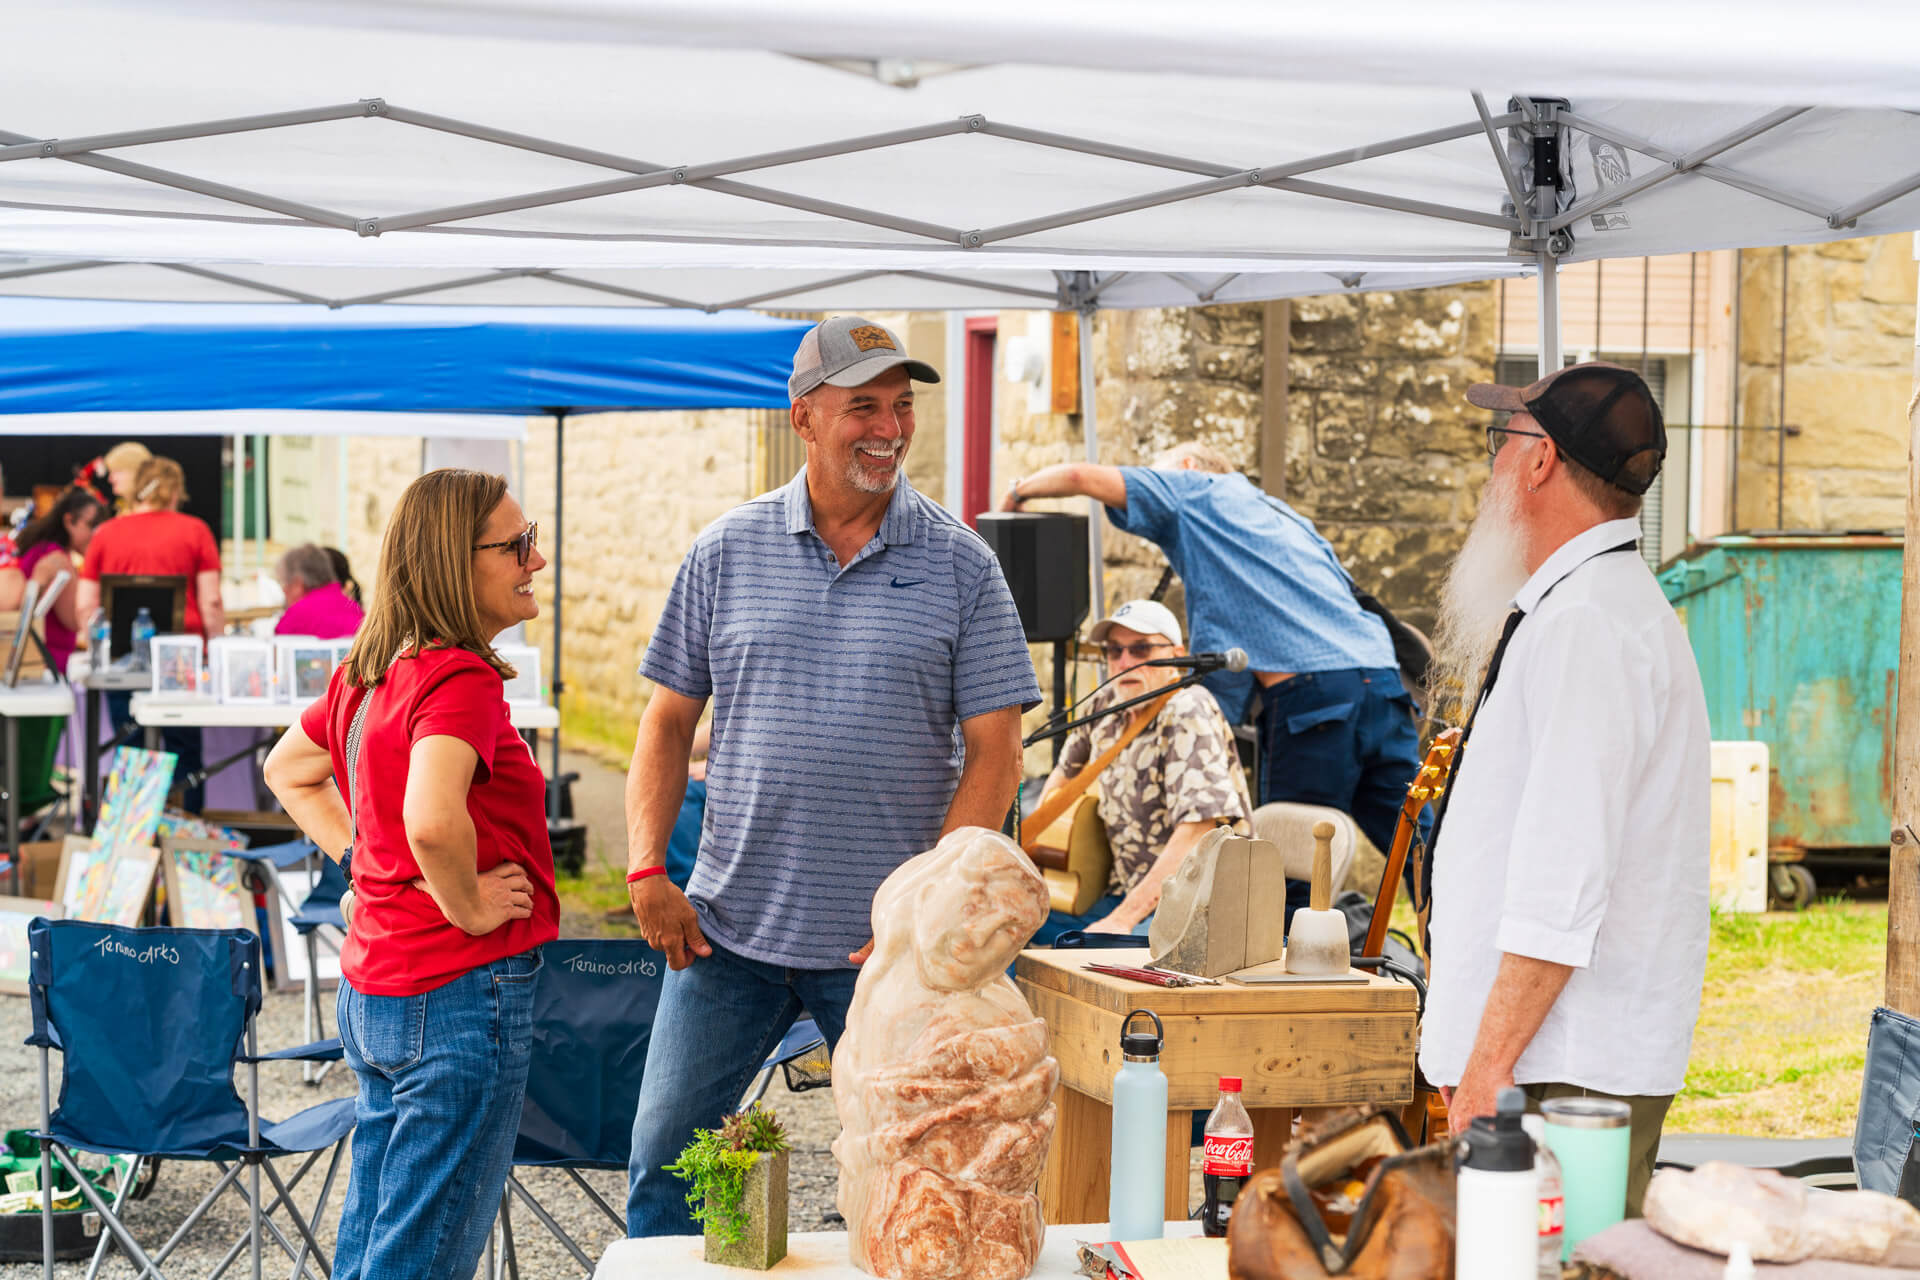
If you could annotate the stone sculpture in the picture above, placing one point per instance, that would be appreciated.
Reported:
(942, 1079)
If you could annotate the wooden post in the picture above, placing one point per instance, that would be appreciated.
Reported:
(1276, 319)
(1903, 889)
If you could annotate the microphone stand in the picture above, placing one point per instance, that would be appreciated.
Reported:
(1053, 730)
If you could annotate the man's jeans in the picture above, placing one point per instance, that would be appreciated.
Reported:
(442, 1079)
(718, 1020)
(1344, 739)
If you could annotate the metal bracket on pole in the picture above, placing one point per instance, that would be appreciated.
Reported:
(1537, 208)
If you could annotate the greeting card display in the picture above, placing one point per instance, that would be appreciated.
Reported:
(305, 666)
(242, 669)
(176, 667)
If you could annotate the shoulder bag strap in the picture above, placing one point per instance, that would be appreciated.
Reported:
(1070, 791)
(354, 730)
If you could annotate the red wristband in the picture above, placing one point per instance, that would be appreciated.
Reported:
(644, 872)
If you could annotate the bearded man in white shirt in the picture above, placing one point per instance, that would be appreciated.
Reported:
(1570, 863)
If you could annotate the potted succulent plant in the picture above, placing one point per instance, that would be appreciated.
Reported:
(736, 1179)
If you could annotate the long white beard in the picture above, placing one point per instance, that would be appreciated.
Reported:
(1490, 569)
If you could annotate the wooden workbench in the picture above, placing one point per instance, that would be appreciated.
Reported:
(1293, 1046)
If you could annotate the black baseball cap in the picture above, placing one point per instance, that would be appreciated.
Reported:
(1601, 415)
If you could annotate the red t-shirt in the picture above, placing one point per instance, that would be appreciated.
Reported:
(156, 542)
(400, 944)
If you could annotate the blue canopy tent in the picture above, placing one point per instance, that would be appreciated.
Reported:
(145, 369)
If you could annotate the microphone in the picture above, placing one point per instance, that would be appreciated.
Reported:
(1231, 660)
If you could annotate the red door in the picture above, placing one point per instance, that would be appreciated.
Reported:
(976, 454)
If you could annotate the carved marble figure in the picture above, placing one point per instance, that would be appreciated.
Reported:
(942, 1079)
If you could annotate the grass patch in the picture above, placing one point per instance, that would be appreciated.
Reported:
(589, 903)
(1781, 1042)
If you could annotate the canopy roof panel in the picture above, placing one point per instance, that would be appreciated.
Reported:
(344, 152)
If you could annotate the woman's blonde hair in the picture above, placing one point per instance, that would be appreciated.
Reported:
(424, 596)
(160, 483)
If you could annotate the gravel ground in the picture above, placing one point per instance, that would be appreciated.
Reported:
(810, 1119)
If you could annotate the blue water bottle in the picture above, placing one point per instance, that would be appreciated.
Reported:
(1137, 1190)
(143, 637)
(99, 636)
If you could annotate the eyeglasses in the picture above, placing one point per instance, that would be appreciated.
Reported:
(522, 544)
(1497, 437)
(1139, 650)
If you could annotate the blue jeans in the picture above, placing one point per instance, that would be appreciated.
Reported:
(442, 1078)
(1344, 739)
(719, 1019)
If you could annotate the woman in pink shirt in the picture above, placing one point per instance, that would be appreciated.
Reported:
(317, 605)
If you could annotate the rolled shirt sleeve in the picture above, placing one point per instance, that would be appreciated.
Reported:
(677, 656)
(1153, 500)
(1568, 829)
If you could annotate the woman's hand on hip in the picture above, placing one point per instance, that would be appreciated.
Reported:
(667, 920)
(500, 895)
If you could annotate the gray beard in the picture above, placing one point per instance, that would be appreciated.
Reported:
(1490, 569)
(866, 484)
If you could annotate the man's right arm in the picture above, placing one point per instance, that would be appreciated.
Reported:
(1071, 480)
(656, 785)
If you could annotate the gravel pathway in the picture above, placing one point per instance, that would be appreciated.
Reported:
(809, 1117)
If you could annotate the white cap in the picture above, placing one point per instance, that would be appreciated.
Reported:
(1148, 617)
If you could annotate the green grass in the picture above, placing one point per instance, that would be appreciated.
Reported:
(1782, 1037)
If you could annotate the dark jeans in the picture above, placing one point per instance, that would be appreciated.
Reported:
(718, 1020)
(1344, 739)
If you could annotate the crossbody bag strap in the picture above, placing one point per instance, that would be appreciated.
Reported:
(1069, 792)
(354, 730)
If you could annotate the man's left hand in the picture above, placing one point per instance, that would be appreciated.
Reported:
(860, 956)
(1475, 1095)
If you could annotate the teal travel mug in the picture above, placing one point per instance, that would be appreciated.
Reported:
(1589, 1137)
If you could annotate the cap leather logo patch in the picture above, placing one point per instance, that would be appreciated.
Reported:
(868, 336)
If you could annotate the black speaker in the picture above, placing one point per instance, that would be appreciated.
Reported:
(1044, 557)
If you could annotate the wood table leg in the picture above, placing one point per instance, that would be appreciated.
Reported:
(1272, 1131)
(1073, 1182)
(1179, 1162)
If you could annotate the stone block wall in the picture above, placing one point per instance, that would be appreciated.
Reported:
(1849, 378)
(1383, 452)
(639, 487)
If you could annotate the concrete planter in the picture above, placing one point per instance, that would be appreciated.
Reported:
(764, 1201)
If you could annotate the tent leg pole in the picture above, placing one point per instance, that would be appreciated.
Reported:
(559, 500)
(1090, 429)
(260, 500)
(239, 488)
(1903, 884)
(1549, 283)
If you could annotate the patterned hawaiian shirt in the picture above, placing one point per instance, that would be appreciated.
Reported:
(1181, 768)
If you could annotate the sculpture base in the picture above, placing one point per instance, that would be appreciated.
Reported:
(764, 1200)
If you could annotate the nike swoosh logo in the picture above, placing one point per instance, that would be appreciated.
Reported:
(910, 582)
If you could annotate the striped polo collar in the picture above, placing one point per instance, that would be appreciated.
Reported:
(900, 526)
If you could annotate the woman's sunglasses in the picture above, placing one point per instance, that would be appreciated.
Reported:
(522, 544)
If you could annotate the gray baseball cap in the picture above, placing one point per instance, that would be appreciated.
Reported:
(848, 351)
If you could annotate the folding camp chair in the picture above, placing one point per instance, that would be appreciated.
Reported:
(318, 912)
(151, 1024)
(593, 1013)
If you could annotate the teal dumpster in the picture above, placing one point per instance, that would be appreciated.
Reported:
(1798, 640)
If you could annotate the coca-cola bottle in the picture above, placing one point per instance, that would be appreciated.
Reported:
(1226, 1157)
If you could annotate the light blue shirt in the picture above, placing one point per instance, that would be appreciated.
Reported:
(1258, 575)
(837, 700)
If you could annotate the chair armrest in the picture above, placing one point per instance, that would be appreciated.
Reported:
(318, 1051)
(290, 854)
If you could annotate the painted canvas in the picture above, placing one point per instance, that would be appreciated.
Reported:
(204, 887)
(15, 915)
(136, 794)
(83, 874)
(124, 890)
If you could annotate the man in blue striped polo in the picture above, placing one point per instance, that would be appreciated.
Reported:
(867, 670)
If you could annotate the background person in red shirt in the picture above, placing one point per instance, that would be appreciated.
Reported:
(156, 537)
(452, 873)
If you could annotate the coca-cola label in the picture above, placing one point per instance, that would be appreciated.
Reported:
(1227, 1155)
(1553, 1215)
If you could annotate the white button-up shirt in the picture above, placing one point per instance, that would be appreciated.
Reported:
(1578, 832)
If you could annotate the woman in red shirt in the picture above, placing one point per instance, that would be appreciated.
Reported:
(156, 537)
(409, 765)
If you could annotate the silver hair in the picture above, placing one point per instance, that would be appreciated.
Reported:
(1203, 456)
(307, 563)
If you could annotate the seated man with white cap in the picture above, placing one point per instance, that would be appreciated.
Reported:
(1176, 780)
